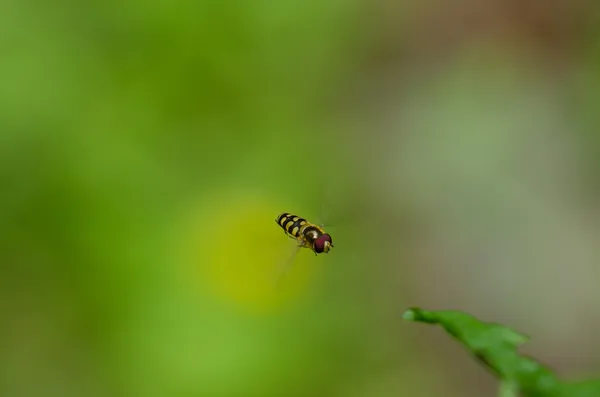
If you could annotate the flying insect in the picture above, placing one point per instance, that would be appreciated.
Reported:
(308, 235)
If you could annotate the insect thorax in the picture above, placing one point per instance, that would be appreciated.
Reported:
(310, 233)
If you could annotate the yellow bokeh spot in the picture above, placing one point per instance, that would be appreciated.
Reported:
(236, 251)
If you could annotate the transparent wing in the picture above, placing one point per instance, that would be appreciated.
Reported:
(340, 204)
(328, 197)
(285, 267)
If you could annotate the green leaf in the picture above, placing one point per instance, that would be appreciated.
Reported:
(587, 388)
(496, 347)
(508, 389)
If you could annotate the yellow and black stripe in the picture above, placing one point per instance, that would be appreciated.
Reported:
(292, 224)
(307, 234)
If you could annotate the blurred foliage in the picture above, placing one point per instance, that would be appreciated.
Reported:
(146, 148)
(120, 122)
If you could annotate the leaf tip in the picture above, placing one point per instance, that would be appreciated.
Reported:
(410, 314)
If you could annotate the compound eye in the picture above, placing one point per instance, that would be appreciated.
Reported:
(320, 243)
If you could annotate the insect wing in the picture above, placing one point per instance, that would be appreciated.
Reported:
(286, 266)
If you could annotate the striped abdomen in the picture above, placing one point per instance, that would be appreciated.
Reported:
(292, 224)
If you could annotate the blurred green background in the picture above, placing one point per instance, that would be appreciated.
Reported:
(147, 147)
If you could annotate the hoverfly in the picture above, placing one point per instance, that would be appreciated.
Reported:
(308, 235)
